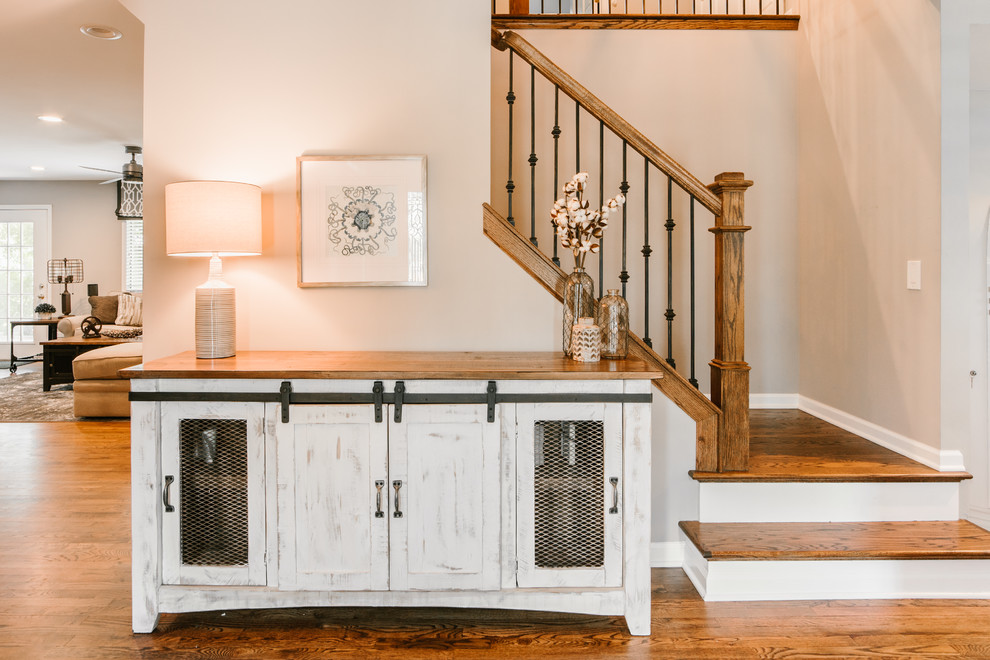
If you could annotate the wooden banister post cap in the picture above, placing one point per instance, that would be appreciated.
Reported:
(729, 181)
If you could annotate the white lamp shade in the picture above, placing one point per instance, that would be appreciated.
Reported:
(203, 218)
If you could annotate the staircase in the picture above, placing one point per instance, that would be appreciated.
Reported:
(790, 507)
(822, 513)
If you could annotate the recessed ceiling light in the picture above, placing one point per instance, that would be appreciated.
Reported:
(52, 119)
(38, 168)
(101, 32)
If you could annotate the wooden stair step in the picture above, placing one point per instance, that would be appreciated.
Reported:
(954, 539)
(793, 446)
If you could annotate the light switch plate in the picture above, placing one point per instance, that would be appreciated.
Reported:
(914, 275)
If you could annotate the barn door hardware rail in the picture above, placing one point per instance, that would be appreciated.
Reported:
(397, 398)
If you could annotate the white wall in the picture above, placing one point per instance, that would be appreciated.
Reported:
(869, 202)
(965, 24)
(236, 90)
(83, 227)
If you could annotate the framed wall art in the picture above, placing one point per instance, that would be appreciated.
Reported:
(361, 220)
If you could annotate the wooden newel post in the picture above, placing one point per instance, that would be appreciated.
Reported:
(730, 373)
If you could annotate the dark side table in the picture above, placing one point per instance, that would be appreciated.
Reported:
(51, 323)
(59, 354)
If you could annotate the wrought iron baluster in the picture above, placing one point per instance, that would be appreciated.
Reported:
(601, 197)
(647, 251)
(624, 189)
(510, 99)
(532, 155)
(577, 137)
(692, 379)
(670, 274)
(556, 160)
(727, 6)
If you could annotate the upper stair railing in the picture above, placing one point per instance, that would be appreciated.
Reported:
(645, 14)
(723, 422)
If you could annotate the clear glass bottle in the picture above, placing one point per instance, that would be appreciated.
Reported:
(579, 300)
(613, 319)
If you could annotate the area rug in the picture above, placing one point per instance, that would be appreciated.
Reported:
(22, 400)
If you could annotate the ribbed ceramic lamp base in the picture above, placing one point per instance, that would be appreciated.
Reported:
(215, 320)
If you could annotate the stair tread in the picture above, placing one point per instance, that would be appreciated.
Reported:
(953, 539)
(793, 446)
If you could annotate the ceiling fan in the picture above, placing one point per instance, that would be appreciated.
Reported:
(131, 172)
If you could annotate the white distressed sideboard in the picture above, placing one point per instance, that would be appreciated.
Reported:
(309, 479)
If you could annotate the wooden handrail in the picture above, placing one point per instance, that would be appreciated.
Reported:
(597, 109)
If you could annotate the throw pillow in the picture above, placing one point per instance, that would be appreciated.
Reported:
(104, 308)
(129, 310)
(122, 333)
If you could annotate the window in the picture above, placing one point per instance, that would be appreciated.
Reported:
(133, 254)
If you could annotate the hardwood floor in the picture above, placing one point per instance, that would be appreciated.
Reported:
(791, 446)
(65, 593)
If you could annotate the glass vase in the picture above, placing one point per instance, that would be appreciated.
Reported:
(579, 300)
(613, 319)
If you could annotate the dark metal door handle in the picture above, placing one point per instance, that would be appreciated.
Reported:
(378, 500)
(165, 493)
(615, 494)
(398, 511)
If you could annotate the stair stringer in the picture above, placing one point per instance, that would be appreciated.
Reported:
(673, 385)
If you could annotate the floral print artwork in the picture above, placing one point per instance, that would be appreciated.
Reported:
(361, 221)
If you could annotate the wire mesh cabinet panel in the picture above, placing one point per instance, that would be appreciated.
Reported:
(213, 493)
(333, 499)
(569, 485)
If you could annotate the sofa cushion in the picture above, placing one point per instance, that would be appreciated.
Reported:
(101, 398)
(104, 363)
(104, 308)
(129, 310)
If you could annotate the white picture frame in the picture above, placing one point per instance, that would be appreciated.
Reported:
(361, 221)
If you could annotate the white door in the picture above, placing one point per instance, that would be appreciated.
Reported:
(213, 483)
(332, 499)
(24, 252)
(444, 474)
(569, 494)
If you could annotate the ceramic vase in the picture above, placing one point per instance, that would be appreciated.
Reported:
(586, 341)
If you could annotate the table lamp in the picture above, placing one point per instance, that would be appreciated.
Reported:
(65, 272)
(213, 219)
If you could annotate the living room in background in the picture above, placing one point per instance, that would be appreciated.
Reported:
(25, 245)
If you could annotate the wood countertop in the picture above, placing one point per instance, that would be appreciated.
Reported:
(393, 365)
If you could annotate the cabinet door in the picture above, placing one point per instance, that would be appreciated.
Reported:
(331, 466)
(568, 484)
(213, 469)
(444, 517)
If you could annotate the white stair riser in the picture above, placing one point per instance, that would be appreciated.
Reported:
(836, 579)
(828, 502)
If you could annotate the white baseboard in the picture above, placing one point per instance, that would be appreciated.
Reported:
(832, 580)
(668, 554)
(764, 401)
(978, 516)
(944, 460)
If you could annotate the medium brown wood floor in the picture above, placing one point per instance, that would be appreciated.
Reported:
(65, 593)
